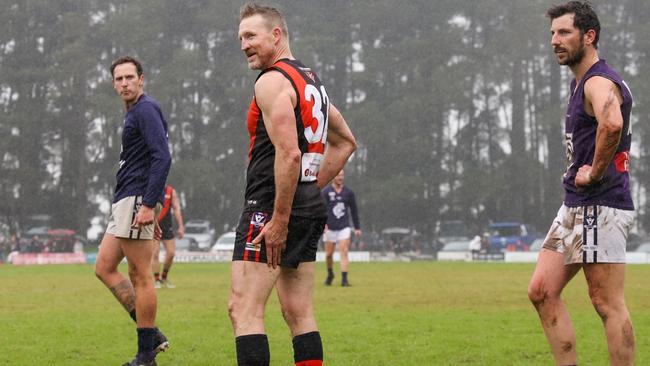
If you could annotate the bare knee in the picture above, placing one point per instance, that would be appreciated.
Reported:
(170, 254)
(603, 306)
(103, 271)
(295, 312)
(539, 295)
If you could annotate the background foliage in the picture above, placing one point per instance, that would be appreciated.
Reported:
(457, 105)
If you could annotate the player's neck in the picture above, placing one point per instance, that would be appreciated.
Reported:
(130, 103)
(282, 52)
(337, 187)
(579, 70)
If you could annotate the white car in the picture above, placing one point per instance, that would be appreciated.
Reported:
(201, 232)
(225, 242)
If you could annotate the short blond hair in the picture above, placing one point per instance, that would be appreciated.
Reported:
(272, 15)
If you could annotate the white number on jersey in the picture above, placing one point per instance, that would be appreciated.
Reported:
(311, 161)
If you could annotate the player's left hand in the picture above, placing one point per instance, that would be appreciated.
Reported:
(144, 217)
(180, 232)
(357, 233)
(583, 176)
(274, 235)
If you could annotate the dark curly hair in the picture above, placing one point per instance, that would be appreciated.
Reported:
(585, 16)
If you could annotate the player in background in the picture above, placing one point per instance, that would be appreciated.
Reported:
(340, 201)
(168, 238)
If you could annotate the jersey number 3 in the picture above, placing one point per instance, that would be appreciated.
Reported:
(320, 99)
(316, 137)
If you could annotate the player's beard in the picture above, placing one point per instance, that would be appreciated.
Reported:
(575, 57)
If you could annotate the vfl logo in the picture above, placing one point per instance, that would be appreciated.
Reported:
(590, 221)
(258, 219)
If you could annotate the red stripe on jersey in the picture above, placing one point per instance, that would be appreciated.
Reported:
(248, 240)
(310, 363)
(252, 121)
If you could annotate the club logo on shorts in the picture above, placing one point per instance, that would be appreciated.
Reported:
(590, 221)
(258, 219)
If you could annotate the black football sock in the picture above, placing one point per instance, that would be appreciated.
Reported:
(308, 349)
(253, 350)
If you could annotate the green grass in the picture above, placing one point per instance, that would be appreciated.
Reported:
(423, 313)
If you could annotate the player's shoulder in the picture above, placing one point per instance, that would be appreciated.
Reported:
(271, 79)
(146, 105)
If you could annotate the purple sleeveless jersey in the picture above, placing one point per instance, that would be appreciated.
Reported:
(580, 130)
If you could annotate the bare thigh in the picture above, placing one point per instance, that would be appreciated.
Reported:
(329, 248)
(251, 285)
(551, 274)
(110, 254)
(139, 254)
(606, 283)
(295, 291)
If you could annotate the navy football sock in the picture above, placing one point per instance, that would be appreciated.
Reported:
(146, 346)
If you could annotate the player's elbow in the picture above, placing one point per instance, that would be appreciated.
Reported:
(291, 157)
(612, 126)
(351, 145)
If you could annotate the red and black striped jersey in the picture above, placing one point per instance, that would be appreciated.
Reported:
(311, 112)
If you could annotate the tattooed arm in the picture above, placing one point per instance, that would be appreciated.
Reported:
(603, 100)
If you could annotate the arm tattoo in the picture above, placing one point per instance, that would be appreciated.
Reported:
(611, 140)
(125, 294)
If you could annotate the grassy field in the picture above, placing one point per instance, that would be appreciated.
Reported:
(424, 313)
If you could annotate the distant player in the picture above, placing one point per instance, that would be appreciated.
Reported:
(165, 221)
(144, 165)
(340, 201)
(290, 122)
(591, 228)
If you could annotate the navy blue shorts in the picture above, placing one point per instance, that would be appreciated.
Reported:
(302, 239)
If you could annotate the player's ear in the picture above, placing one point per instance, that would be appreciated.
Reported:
(589, 37)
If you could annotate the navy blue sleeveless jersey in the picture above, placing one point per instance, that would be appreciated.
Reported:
(145, 159)
(580, 129)
(311, 113)
(340, 206)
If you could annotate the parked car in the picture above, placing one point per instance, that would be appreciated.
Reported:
(201, 232)
(448, 231)
(187, 244)
(457, 246)
(225, 242)
(510, 236)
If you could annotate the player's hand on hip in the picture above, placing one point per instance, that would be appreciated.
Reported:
(144, 217)
(583, 176)
(274, 235)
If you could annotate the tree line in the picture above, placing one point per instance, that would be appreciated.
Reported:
(457, 106)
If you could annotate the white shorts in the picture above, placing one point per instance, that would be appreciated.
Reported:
(122, 214)
(337, 235)
(590, 234)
